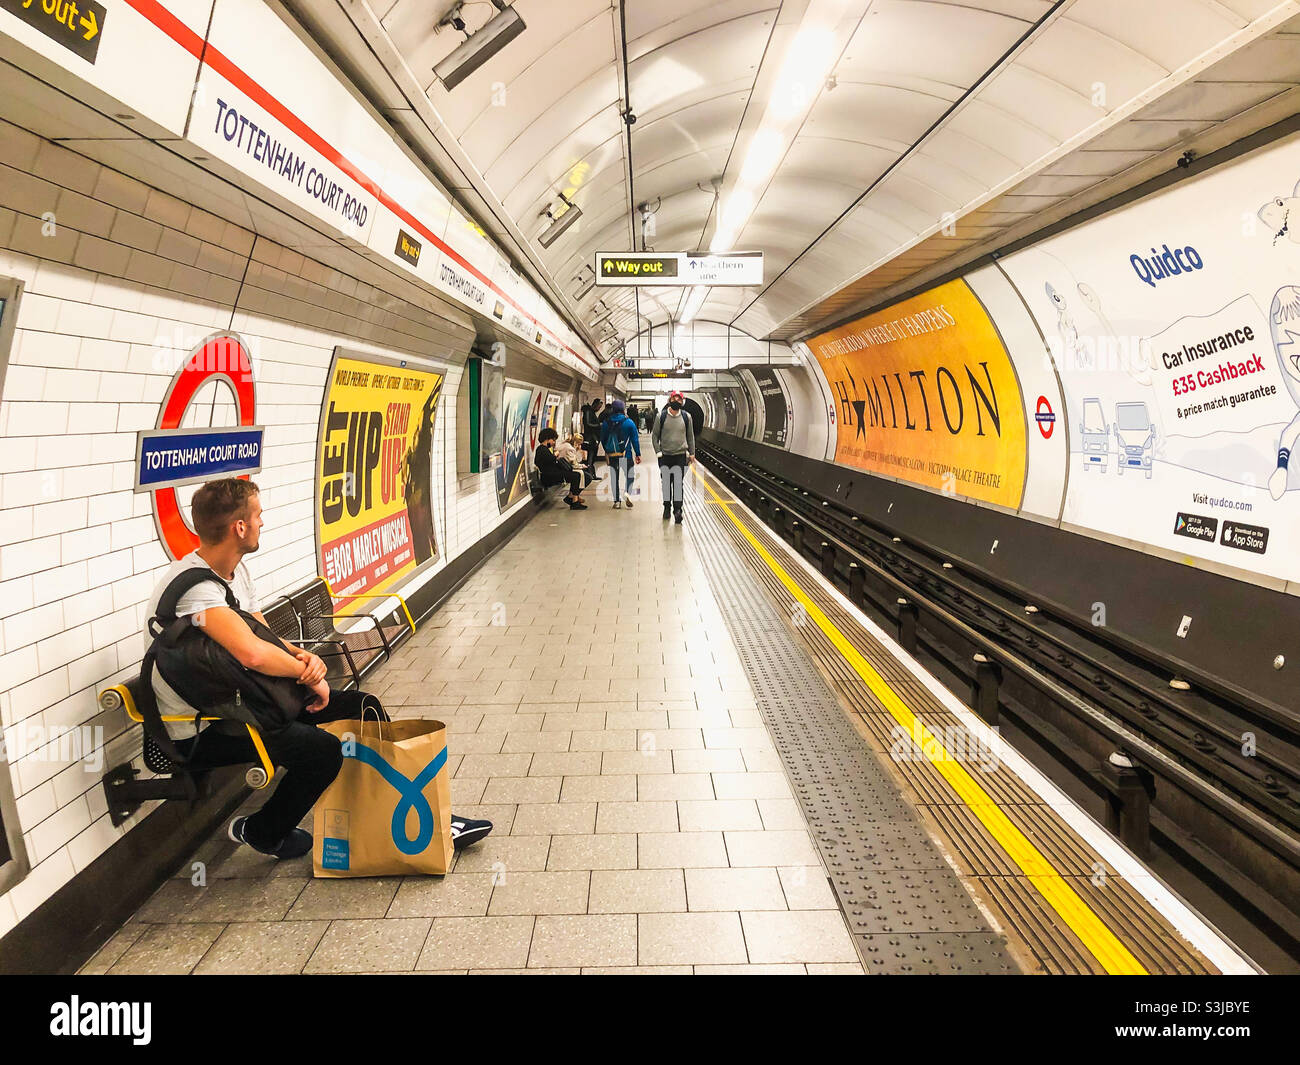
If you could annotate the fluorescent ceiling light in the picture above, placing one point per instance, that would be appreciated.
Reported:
(694, 301)
(806, 67)
(765, 151)
(807, 63)
(481, 46)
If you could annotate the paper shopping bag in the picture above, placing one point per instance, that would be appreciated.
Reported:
(388, 812)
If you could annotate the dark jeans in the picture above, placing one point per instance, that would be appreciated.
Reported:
(574, 479)
(311, 759)
(591, 446)
(672, 470)
(624, 467)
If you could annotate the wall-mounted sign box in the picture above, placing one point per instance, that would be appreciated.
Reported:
(679, 269)
(75, 25)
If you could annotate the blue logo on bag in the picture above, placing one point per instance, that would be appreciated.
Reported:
(412, 793)
(334, 854)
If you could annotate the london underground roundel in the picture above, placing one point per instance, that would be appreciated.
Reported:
(170, 456)
(1045, 417)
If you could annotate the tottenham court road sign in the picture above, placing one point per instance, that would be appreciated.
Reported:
(679, 269)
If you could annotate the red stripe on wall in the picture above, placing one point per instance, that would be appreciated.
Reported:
(171, 26)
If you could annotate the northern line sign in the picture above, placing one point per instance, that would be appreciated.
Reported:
(679, 269)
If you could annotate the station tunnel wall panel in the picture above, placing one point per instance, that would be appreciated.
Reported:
(121, 284)
(1091, 382)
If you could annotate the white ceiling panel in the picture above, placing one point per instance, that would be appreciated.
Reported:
(1089, 62)
(875, 114)
(989, 113)
(957, 42)
(1168, 32)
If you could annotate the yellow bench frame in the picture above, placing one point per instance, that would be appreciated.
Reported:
(127, 701)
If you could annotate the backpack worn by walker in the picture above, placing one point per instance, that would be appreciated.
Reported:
(207, 676)
(613, 436)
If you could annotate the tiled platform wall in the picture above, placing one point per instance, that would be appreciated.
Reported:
(121, 283)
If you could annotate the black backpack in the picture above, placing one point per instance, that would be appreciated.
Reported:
(207, 676)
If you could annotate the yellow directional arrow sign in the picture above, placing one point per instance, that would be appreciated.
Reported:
(637, 268)
(77, 25)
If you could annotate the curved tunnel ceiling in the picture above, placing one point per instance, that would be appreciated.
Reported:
(944, 128)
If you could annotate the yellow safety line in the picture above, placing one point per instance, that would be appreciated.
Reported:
(1114, 957)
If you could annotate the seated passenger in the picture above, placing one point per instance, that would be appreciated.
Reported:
(570, 451)
(227, 516)
(553, 470)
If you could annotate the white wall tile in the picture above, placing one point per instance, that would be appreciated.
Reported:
(86, 543)
(59, 828)
(16, 525)
(64, 516)
(42, 882)
(19, 665)
(114, 506)
(25, 383)
(33, 625)
(17, 560)
(132, 532)
(37, 804)
(18, 453)
(113, 627)
(30, 487)
(34, 696)
(59, 650)
(37, 419)
(84, 319)
(83, 608)
(38, 312)
(87, 480)
(61, 582)
(90, 844)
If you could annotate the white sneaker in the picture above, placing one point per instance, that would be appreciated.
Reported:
(618, 505)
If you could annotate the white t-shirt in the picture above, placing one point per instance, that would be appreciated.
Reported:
(198, 598)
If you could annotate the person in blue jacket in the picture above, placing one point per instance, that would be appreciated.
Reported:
(622, 443)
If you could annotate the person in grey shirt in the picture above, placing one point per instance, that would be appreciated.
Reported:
(674, 442)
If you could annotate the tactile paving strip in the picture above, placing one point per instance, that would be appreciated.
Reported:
(871, 871)
(906, 907)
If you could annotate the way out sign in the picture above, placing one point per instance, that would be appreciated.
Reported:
(78, 25)
(679, 268)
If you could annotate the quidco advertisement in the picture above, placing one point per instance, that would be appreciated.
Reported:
(374, 514)
(1174, 325)
(925, 391)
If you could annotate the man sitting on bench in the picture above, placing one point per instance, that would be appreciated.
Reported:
(553, 470)
(227, 516)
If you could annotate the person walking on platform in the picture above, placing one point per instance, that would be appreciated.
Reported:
(591, 427)
(622, 444)
(674, 442)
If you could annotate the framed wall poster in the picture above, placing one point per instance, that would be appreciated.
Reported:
(374, 472)
(512, 472)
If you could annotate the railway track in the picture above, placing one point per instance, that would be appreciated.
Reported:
(1210, 794)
